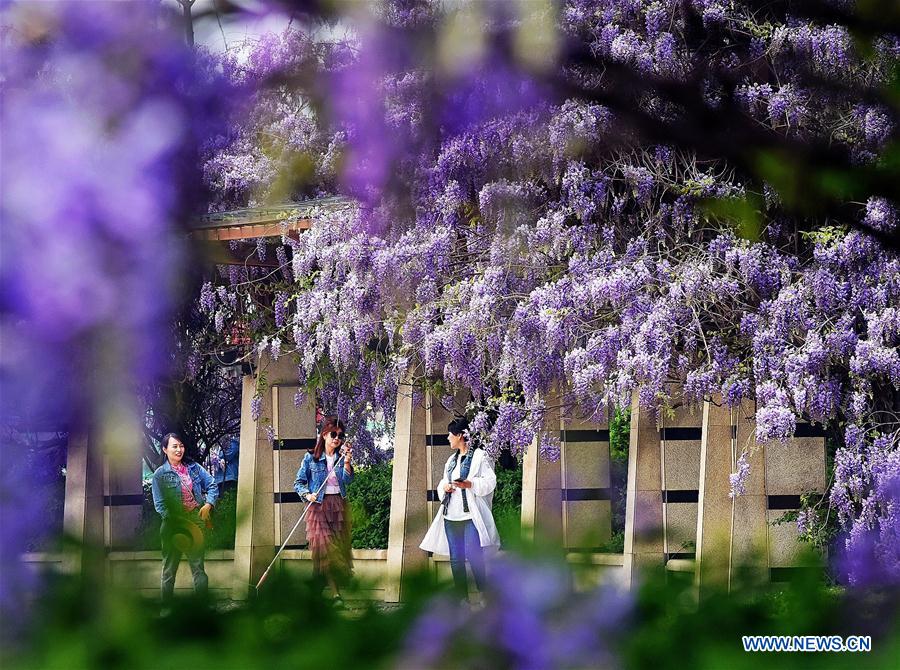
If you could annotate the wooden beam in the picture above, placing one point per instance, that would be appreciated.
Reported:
(240, 230)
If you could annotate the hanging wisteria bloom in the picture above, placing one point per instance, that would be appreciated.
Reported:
(738, 479)
(527, 228)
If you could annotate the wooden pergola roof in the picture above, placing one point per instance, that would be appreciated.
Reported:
(246, 224)
(290, 218)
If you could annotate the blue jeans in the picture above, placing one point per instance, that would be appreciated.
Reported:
(462, 536)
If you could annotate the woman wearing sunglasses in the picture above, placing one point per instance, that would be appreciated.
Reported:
(464, 524)
(322, 481)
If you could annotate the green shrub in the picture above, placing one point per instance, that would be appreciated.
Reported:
(224, 521)
(369, 497)
(614, 545)
(507, 506)
(619, 439)
(619, 435)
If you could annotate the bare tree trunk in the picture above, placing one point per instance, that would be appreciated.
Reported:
(188, 21)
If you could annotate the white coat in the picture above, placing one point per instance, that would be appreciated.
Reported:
(480, 496)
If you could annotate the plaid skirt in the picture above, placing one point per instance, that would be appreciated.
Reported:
(328, 532)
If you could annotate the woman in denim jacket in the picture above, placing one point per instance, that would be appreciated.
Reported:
(328, 520)
(183, 495)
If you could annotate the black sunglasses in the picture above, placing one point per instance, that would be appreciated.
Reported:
(336, 435)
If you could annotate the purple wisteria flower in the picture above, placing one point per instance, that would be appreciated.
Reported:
(550, 449)
(514, 246)
(207, 298)
(881, 214)
(738, 480)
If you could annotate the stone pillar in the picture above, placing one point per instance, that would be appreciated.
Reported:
(750, 531)
(791, 469)
(267, 507)
(736, 541)
(643, 506)
(123, 499)
(586, 487)
(83, 514)
(409, 509)
(715, 514)
(295, 433)
(680, 442)
(254, 538)
(542, 500)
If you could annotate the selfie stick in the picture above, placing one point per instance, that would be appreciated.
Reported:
(287, 539)
(293, 530)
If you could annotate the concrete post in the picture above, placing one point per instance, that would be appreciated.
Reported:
(254, 539)
(680, 442)
(736, 541)
(643, 506)
(715, 513)
(267, 506)
(790, 470)
(749, 530)
(542, 502)
(83, 514)
(123, 500)
(409, 508)
(586, 485)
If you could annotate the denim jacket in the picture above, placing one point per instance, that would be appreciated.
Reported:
(312, 473)
(167, 485)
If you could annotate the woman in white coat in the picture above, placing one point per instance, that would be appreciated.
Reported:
(464, 525)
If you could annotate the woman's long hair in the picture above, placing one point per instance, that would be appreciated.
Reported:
(329, 423)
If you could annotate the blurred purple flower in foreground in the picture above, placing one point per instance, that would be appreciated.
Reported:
(532, 619)
(870, 555)
(103, 111)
